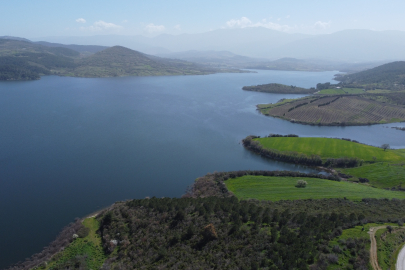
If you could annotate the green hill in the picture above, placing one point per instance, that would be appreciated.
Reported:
(24, 60)
(390, 75)
(11, 47)
(120, 61)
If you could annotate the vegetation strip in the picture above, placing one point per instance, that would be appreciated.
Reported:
(284, 188)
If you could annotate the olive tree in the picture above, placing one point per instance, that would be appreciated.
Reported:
(385, 146)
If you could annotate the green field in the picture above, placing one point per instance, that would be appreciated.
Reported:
(385, 171)
(283, 188)
(330, 148)
(381, 174)
(341, 91)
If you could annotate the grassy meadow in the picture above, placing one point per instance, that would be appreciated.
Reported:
(283, 188)
(330, 148)
(384, 169)
(381, 174)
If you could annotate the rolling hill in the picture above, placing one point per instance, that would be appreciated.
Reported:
(25, 60)
(387, 74)
(120, 61)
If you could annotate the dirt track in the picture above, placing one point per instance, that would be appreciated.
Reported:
(373, 247)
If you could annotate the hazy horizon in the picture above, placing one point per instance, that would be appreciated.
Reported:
(82, 18)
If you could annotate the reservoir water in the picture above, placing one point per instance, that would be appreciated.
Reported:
(70, 146)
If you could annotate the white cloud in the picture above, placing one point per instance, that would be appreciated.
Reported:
(322, 25)
(245, 22)
(287, 17)
(81, 20)
(177, 27)
(102, 26)
(151, 28)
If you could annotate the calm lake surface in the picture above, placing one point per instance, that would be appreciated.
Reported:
(70, 146)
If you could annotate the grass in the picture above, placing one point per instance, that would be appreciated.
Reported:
(283, 188)
(380, 174)
(89, 246)
(386, 171)
(330, 148)
(388, 247)
(342, 91)
(400, 152)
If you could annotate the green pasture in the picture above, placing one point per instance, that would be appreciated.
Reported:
(330, 148)
(283, 188)
(341, 91)
(380, 174)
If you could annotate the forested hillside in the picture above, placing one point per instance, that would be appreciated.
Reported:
(389, 75)
(23, 60)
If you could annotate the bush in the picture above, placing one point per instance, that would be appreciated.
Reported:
(333, 258)
(83, 232)
(301, 183)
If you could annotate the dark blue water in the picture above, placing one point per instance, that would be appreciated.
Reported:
(70, 146)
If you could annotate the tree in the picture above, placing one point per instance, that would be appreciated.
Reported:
(385, 146)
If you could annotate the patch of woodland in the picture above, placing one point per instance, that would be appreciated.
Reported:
(224, 233)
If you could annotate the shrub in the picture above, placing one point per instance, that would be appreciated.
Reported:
(333, 258)
(301, 183)
(83, 232)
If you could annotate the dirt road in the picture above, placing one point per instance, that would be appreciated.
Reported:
(373, 247)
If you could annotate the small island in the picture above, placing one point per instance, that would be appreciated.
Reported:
(277, 88)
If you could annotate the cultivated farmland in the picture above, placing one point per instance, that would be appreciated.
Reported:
(336, 110)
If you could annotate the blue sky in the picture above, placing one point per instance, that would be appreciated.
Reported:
(41, 18)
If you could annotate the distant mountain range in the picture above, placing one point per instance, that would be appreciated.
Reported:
(345, 46)
(25, 60)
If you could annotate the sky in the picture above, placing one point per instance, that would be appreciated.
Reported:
(43, 18)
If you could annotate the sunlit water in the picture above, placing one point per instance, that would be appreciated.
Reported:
(70, 146)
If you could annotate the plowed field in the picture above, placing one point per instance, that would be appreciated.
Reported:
(336, 110)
